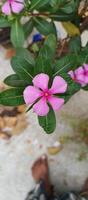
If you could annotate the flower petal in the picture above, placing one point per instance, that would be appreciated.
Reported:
(86, 80)
(59, 85)
(71, 73)
(41, 81)
(79, 74)
(31, 94)
(6, 8)
(41, 108)
(85, 67)
(56, 102)
(17, 6)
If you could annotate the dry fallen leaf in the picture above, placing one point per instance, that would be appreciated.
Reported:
(55, 149)
(10, 53)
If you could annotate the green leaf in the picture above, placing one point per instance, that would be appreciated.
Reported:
(75, 44)
(64, 64)
(85, 88)
(4, 22)
(69, 7)
(43, 66)
(12, 97)
(51, 43)
(14, 81)
(17, 34)
(61, 16)
(83, 56)
(28, 27)
(22, 68)
(48, 123)
(73, 88)
(23, 64)
(26, 55)
(43, 26)
(36, 4)
(46, 56)
(49, 48)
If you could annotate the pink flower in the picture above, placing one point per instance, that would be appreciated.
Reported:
(80, 75)
(40, 93)
(14, 6)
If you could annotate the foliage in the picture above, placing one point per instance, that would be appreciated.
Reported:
(42, 16)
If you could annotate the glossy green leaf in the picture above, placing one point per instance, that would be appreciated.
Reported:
(75, 44)
(22, 68)
(26, 55)
(43, 66)
(61, 16)
(46, 56)
(28, 27)
(43, 26)
(48, 123)
(51, 42)
(71, 6)
(14, 81)
(36, 4)
(12, 97)
(17, 34)
(64, 64)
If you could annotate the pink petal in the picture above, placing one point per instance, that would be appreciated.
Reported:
(83, 84)
(86, 80)
(71, 73)
(41, 108)
(17, 6)
(79, 74)
(85, 67)
(31, 94)
(6, 8)
(59, 85)
(41, 81)
(56, 102)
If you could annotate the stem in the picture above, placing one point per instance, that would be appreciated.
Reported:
(37, 14)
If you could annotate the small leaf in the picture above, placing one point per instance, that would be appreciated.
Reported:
(23, 64)
(64, 64)
(75, 44)
(43, 26)
(4, 22)
(28, 27)
(36, 4)
(17, 34)
(14, 81)
(69, 7)
(12, 97)
(26, 55)
(46, 56)
(43, 66)
(22, 68)
(51, 42)
(61, 16)
(71, 29)
(48, 123)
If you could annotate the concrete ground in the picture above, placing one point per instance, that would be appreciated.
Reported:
(18, 153)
